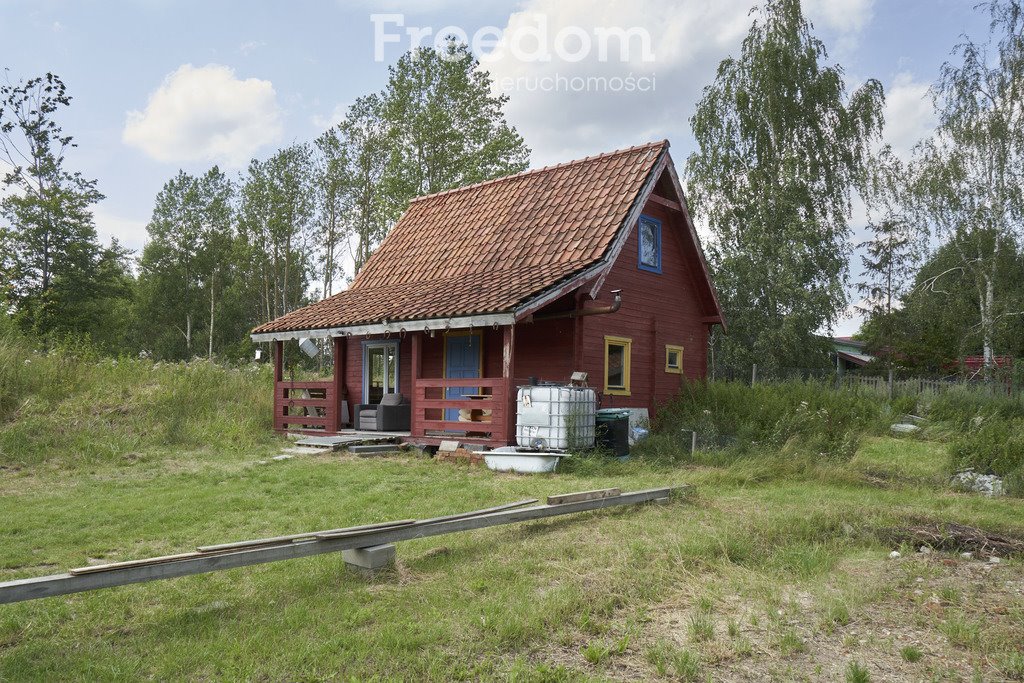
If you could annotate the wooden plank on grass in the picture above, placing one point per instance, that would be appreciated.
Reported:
(298, 537)
(583, 495)
(63, 584)
(447, 518)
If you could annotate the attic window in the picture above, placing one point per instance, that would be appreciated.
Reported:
(649, 240)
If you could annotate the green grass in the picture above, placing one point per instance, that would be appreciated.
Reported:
(460, 606)
(146, 460)
(911, 653)
(857, 673)
(71, 408)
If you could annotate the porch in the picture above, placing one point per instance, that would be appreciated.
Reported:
(476, 410)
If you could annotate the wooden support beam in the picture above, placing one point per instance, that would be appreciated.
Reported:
(278, 361)
(63, 584)
(664, 201)
(338, 404)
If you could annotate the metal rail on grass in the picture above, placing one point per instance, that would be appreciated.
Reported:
(200, 563)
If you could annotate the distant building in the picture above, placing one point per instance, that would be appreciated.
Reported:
(849, 354)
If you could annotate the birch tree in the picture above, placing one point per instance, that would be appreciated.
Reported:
(446, 127)
(275, 225)
(185, 263)
(781, 146)
(969, 175)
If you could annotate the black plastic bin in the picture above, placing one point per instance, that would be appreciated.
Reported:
(613, 431)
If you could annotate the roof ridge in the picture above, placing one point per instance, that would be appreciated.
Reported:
(544, 169)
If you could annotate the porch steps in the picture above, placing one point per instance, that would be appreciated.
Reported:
(364, 450)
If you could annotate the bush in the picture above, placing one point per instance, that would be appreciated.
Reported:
(809, 417)
(992, 445)
(987, 433)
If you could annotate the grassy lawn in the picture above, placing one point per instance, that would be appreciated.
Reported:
(767, 571)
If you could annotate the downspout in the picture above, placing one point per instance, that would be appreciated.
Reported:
(581, 312)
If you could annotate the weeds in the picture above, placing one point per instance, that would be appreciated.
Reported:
(856, 673)
(702, 628)
(75, 408)
(911, 654)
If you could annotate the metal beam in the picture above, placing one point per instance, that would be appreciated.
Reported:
(63, 584)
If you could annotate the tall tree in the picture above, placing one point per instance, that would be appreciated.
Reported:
(276, 230)
(446, 127)
(365, 143)
(185, 262)
(781, 146)
(889, 255)
(52, 255)
(970, 174)
(937, 324)
(330, 181)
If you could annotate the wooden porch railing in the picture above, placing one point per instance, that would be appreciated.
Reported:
(305, 406)
(429, 405)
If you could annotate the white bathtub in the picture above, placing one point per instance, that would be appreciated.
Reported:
(508, 459)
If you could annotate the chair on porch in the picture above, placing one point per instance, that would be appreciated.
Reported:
(393, 414)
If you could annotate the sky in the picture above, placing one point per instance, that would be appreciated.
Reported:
(160, 86)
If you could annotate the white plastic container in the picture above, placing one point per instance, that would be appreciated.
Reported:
(558, 417)
(508, 459)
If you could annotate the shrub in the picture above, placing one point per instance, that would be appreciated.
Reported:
(991, 444)
(811, 417)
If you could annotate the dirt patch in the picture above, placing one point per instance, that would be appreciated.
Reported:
(926, 617)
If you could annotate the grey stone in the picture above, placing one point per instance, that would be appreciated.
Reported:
(371, 559)
(969, 481)
(904, 428)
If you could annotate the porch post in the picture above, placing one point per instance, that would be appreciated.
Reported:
(339, 405)
(278, 392)
(508, 373)
(416, 372)
(278, 360)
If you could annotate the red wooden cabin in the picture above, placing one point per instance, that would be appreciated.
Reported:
(477, 289)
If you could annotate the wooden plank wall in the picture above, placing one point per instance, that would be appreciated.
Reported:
(657, 309)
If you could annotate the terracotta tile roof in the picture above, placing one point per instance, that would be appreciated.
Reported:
(488, 247)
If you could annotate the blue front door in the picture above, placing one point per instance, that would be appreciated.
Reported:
(461, 360)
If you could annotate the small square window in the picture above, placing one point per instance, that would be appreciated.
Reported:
(674, 359)
(649, 240)
(617, 351)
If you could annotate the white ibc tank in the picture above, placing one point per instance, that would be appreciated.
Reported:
(564, 417)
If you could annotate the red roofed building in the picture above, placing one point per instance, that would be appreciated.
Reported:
(593, 266)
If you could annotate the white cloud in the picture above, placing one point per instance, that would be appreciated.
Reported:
(843, 16)
(909, 113)
(206, 114)
(324, 121)
(130, 232)
(687, 41)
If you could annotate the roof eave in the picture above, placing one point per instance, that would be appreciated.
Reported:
(390, 327)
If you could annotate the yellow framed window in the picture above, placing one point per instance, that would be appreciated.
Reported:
(617, 352)
(674, 359)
